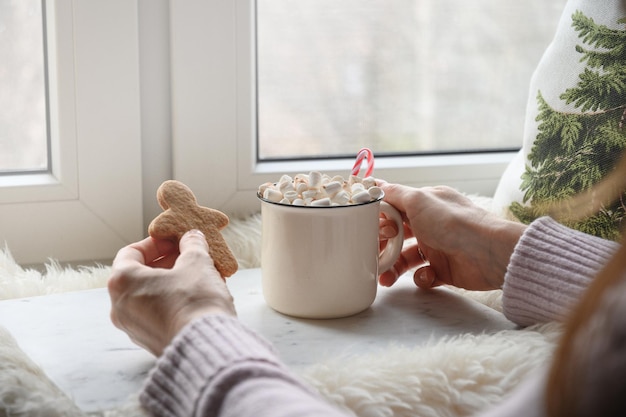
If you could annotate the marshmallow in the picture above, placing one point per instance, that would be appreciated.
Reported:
(264, 187)
(302, 187)
(357, 187)
(375, 192)
(272, 195)
(286, 186)
(369, 182)
(290, 195)
(341, 198)
(321, 190)
(315, 179)
(361, 197)
(321, 202)
(301, 178)
(354, 179)
(309, 194)
(332, 188)
(285, 178)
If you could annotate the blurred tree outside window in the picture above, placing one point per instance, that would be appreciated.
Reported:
(398, 76)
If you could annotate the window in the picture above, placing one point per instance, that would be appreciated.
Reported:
(23, 115)
(214, 101)
(87, 204)
(398, 76)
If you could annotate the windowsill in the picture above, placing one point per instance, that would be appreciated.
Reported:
(36, 187)
(382, 163)
(27, 180)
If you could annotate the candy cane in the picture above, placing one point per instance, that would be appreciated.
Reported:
(364, 153)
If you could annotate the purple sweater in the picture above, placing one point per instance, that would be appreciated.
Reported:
(218, 367)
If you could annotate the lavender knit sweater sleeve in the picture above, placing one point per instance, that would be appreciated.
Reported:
(218, 367)
(550, 268)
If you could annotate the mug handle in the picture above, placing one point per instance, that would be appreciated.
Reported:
(388, 257)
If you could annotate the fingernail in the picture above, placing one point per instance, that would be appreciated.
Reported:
(195, 232)
(426, 279)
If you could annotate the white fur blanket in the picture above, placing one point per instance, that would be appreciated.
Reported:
(451, 377)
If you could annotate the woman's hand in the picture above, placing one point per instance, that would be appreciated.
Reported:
(157, 288)
(456, 242)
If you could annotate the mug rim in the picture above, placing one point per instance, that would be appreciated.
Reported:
(278, 203)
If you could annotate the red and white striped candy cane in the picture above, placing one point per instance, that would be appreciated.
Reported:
(364, 153)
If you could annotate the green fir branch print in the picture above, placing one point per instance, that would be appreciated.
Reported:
(573, 151)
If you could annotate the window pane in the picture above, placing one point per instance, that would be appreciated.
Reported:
(23, 120)
(398, 76)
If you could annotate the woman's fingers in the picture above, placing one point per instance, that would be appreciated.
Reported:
(387, 229)
(410, 257)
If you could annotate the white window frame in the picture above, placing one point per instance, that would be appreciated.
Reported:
(90, 203)
(213, 102)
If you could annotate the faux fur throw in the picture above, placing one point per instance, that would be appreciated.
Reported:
(455, 376)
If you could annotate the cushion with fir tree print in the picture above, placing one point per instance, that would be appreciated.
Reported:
(575, 129)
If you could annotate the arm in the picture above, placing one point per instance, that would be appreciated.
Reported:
(176, 305)
(543, 268)
(218, 367)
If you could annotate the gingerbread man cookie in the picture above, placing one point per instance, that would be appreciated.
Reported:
(182, 213)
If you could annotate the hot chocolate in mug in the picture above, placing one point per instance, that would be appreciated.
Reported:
(324, 262)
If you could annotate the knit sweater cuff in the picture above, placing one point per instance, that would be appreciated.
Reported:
(200, 358)
(549, 269)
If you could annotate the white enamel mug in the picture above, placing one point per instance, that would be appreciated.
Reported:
(324, 262)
